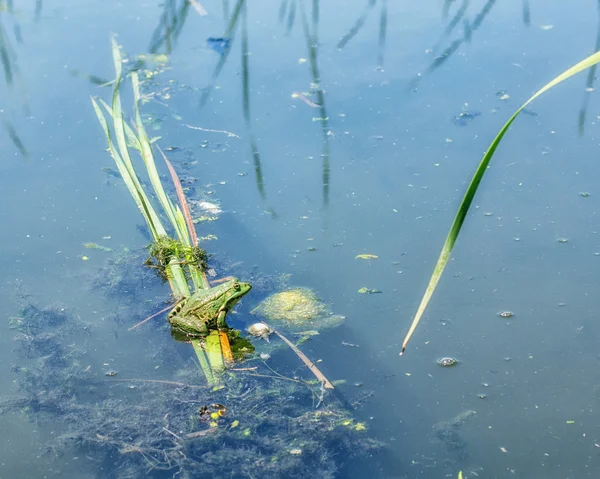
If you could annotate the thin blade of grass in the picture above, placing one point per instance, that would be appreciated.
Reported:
(474, 185)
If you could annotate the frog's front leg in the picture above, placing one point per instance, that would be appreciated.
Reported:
(221, 324)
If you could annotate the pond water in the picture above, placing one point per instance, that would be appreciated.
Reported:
(413, 94)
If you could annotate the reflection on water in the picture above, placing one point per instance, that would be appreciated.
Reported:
(330, 140)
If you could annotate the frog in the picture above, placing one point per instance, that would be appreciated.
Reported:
(207, 308)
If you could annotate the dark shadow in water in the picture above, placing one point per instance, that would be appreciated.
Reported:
(312, 44)
(13, 135)
(260, 185)
(357, 27)
(382, 33)
(454, 46)
(12, 76)
(526, 13)
(446, 8)
(38, 10)
(589, 83)
(458, 16)
(291, 17)
(467, 32)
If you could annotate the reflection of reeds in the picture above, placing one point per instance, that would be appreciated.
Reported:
(446, 8)
(589, 84)
(282, 9)
(460, 13)
(225, 4)
(357, 27)
(526, 13)
(312, 46)
(455, 45)
(38, 10)
(246, 106)
(8, 59)
(229, 34)
(12, 133)
(291, 17)
(382, 32)
(7, 56)
(169, 26)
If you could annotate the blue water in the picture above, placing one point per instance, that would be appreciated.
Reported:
(398, 166)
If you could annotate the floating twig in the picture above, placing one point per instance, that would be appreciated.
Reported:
(199, 8)
(315, 370)
(154, 315)
(305, 99)
(228, 133)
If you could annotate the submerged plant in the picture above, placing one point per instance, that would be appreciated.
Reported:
(474, 185)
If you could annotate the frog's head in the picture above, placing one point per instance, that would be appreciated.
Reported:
(235, 292)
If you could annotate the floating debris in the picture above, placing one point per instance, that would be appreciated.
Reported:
(366, 256)
(447, 362)
(305, 99)
(369, 291)
(506, 314)
(97, 246)
(502, 95)
(260, 330)
(465, 117)
(218, 44)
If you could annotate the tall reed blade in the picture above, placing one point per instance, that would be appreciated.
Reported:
(472, 189)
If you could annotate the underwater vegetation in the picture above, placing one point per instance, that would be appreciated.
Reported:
(254, 424)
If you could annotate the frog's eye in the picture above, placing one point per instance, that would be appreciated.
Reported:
(236, 286)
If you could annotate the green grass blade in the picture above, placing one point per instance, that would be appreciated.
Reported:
(148, 158)
(472, 189)
(132, 184)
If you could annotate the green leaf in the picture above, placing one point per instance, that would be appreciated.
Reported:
(472, 189)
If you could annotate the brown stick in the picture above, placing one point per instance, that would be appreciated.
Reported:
(314, 369)
(182, 201)
(154, 315)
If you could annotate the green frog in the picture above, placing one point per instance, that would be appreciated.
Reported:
(194, 316)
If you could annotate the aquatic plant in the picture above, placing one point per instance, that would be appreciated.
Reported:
(136, 137)
(474, 185)
(255, 425)
(178, 259)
